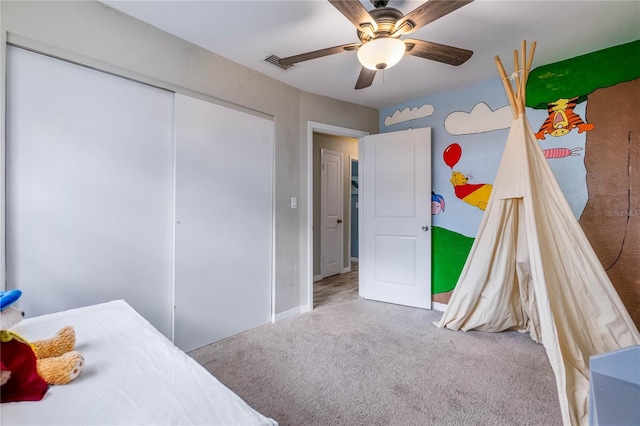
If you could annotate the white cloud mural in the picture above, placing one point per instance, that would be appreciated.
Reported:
(481, 119)
(407, 114)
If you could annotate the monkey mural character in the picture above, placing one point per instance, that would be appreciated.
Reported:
(562, 119)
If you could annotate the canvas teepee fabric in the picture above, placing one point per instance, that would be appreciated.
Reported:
(531, 268)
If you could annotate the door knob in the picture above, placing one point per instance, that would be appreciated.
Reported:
(339, 220)
(425, 228)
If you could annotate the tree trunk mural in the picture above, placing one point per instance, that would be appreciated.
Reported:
(611, 218)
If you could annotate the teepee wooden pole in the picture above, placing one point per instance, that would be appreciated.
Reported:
(507, 87)
(527, 68)
(530, 60)
(525, 72)
(516, 69)
(523, 52)
(533, 49)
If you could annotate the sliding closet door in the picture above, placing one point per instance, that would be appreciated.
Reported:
(89, 188)
(224, 222)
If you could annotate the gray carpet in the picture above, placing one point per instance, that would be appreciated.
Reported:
(370, 363)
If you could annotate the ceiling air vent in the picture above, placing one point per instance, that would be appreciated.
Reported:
(275, 60)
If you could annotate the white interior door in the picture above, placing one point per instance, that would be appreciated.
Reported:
(331, 212)
(224, 222)
(395, 212)
(89, 188)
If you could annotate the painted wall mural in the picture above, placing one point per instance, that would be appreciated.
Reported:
(608, 83)
(407, 114)
(480, 119)
(588, 130)
(474, 194)
(437, 203)
(562, 119)
(561, 152)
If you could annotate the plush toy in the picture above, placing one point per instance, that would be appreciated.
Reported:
(27, 368)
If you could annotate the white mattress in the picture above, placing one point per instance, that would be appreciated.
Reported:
(133, 376)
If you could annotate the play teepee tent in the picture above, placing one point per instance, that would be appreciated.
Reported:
(532, 269)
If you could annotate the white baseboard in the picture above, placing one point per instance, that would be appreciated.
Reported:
(345, 270)
(291, 313)
(438, 306)
(354, 259)
(317, 278)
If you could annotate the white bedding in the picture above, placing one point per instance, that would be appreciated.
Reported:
(133, 376)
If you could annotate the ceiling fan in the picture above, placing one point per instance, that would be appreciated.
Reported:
(379, 31)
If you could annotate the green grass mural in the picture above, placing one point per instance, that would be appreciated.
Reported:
(449, 251)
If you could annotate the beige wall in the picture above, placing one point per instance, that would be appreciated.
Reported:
(91, 33)
(349, 147)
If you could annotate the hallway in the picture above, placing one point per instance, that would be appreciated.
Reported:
(337, 288)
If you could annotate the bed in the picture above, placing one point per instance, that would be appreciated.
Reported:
(133, 375)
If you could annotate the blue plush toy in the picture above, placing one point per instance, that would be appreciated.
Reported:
(8, 297)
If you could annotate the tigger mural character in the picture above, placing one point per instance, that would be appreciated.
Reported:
(562, 119)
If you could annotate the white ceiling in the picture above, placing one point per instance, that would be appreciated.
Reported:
(248, 31)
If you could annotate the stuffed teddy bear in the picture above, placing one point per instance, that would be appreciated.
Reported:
(27, 368)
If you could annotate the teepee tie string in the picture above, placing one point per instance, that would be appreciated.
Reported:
(514, 75)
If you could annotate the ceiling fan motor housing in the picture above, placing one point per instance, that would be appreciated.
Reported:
(379, 3)
(386, 18)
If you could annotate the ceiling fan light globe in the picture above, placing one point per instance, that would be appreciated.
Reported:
(381, 53)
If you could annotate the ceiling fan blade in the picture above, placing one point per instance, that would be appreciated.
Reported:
(365, 79)
(427, 13)
(437, 52)
(318, 53)
(355, 12)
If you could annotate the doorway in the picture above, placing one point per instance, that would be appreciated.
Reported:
(330, 289)
(332, 217)
(344, 287)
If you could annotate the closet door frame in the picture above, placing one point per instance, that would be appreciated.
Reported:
(16, 40)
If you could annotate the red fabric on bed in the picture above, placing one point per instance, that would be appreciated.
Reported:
(24, 384)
